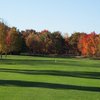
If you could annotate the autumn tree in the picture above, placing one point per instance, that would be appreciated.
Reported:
(98, 45)
(24, 35)
(73, 43)
(67, 45)
(89, 44)
(3, 33)
(33, 43)
(13, 40)
(59, 43)
(46, 41)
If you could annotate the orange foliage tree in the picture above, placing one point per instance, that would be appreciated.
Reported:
(88, 44)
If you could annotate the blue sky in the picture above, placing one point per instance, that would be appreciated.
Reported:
(67, 16)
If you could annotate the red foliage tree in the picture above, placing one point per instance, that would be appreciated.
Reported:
(88, 44)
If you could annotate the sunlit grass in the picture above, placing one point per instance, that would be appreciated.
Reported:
(45, 78)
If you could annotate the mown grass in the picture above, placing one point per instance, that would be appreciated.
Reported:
(44, 78)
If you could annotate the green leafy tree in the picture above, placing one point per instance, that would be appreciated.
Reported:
(59, 42)
(73, 42)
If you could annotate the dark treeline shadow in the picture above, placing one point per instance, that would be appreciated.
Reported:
(47, 85)
(77, 74)
(60, 63)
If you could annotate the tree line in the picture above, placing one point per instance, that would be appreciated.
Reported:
(13, 41)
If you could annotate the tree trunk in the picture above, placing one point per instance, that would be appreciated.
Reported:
(1, 55)
(5, 55)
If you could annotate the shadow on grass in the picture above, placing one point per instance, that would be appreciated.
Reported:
(47, 85)
(53, 61)
(78, 74)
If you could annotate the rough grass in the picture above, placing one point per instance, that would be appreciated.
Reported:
(44, 78)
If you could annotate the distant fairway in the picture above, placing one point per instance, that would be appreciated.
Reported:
(44, 78)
